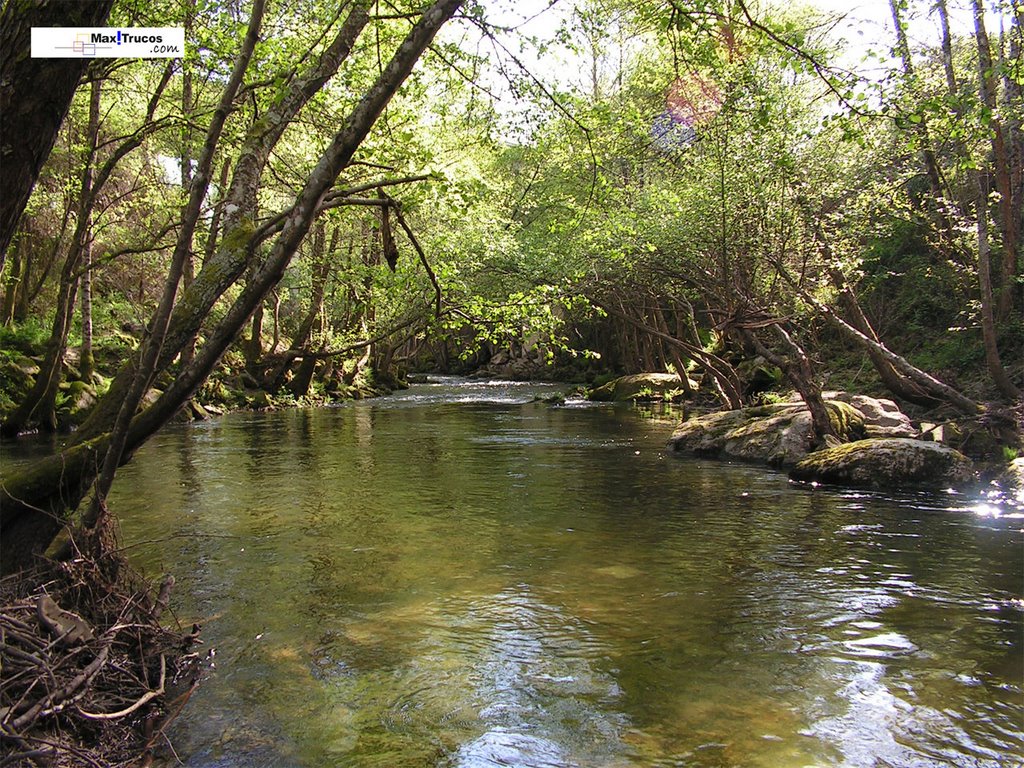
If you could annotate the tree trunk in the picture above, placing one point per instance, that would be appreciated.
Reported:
(254, 345)
(31, 115)
(118, 445)
(1010, 200)
(34, 502)
(988, 326)
(299, 386)
(797, 368)
(17, 278)
(672, 352)
(897, 384)
(931, 163)
(87, 365)
(947, 48)
(188, 275)
(41, 490)
(927, 382)
(334, 159)
(1013, 108)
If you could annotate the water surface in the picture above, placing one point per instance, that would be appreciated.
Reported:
(457, 577)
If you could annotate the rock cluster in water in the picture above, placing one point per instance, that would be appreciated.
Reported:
(879, 449)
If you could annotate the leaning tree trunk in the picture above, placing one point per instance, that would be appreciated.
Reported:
(928, 383)
(796, 366)
(117, 446)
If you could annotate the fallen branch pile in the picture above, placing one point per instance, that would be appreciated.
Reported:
(88, 675)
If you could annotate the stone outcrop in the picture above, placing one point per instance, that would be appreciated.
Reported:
(882, 417)
(885, 463)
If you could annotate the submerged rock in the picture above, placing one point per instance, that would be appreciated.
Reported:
(885, 463)
(640, 386)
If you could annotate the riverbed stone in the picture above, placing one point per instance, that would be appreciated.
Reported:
(885, 464)
(638, 386)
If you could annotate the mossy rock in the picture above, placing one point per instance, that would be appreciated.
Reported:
(640, 386)
(79, 399)
(17, 376)
(259, 400)
(886, 464)
(779, 435)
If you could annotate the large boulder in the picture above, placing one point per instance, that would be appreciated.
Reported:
(885, 463)
(641, 386)
(17, 376)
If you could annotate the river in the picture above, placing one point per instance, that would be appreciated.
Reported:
(455, 576)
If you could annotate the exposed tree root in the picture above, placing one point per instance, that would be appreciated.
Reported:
(88, 675)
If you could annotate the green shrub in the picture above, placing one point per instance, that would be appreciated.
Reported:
(28, 338)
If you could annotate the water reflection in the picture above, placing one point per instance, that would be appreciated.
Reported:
(482, 581)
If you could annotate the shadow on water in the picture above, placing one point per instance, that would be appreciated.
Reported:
(457, 576)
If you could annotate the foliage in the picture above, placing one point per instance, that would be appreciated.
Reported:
(706, 168)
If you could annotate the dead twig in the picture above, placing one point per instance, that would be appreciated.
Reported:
(145, 699)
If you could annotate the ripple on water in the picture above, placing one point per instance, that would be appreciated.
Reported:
(459, 582)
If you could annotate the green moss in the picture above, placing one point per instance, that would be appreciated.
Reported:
(847, 421)
(238, 238)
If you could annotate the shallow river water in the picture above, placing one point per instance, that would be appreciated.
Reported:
(456, 576)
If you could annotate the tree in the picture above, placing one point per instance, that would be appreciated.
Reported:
(36, 502)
